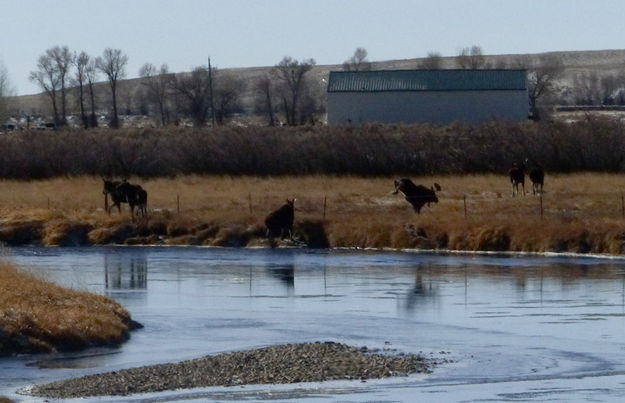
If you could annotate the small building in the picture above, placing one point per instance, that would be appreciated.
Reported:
(427, 96)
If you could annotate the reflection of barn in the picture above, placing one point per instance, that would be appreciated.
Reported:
(427, 96)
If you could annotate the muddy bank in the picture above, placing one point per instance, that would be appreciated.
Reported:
(466, 235)
(291, 363)
(158, 231)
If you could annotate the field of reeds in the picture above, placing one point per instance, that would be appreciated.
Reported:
(581, 212)
(592, 144)
(39, 316)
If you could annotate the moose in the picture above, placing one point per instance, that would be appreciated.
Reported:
(280, 221)
(537, 176)
(417, 195)
(124, 192)
(517, 176)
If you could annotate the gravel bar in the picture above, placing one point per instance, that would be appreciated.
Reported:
(289, 363)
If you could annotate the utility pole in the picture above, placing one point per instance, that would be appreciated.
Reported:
(210, 91)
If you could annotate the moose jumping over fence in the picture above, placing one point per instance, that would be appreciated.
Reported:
(417, 195)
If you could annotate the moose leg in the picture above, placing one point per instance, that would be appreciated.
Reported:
(109, 208)
(132, 211)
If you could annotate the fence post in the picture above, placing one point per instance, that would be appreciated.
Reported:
(464, 198)
(325, 203)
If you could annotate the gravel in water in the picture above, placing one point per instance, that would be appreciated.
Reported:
(290, 363)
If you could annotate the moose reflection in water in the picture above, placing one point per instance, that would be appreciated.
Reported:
(284, 273)
(125, 272)
(423, 291)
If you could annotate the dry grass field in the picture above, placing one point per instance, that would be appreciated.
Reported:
(39, 316)
(581, 213)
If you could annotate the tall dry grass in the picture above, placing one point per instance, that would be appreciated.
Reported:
(39, 316)
(581, 212)
(593, 144)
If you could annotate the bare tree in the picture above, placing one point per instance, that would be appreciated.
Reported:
(291, 76)
(471, 58)
(81, 62)
(48, 80)
(113, 64)
(157, 84)
(311, 103)
(194, 87)
(91, 74)
(611, 87)
(433, 61)
(63, 60)
(587, 88)
(358, 62)
(6, 90)
(226, 95)
(542, 78)
(264, 90)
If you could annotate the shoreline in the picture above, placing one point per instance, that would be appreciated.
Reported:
(442, 252)
(601, 242)
(39, 316)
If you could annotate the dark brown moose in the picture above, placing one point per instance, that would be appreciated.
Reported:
(417, 195)
(537, 176)
(280, 221)
(517, 177)
(124, 192)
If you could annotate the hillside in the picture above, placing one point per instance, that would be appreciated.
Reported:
(601, 62)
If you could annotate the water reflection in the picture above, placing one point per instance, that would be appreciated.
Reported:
(423, 291)
(125, 271)
(286, 275)
(513, 318)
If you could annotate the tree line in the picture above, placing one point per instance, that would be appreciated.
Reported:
(202, 95)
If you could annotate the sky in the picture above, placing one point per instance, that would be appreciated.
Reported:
(248, 33)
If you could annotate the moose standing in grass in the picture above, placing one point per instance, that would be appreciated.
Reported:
(280, 221)
(517, 177)
(125, 192)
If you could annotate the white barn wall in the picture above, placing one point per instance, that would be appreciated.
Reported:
(439, 107)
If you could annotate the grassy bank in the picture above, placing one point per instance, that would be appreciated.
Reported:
(581, 213)
(39, 316)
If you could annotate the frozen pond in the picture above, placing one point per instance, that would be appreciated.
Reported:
(516, 328)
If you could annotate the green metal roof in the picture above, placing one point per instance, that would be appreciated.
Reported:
(427, 80)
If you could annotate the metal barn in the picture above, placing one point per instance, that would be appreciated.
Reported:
(427, 96)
